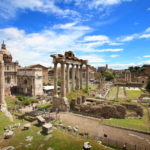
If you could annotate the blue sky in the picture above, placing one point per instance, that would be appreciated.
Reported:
(113, 32)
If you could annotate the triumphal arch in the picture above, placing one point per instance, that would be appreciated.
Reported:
(71, 77)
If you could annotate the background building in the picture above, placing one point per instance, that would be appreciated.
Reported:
(10, 69)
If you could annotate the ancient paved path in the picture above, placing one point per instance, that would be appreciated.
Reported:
(95, 128)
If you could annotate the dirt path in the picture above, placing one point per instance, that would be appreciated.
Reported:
(121, 93)
(96, 129)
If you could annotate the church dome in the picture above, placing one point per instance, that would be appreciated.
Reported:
(7, 57)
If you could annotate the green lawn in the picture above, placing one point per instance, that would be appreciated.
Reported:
(133, 94)
(11, 102)
(4, 121)
(60, 140)
(112, 94)
(139, 124)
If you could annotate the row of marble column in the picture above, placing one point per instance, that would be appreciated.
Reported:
(76, 80)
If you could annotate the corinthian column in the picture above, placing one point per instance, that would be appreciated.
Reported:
(2, 101)
(87, 76)
(63, 90)
(77, 77)
(73, 78)
(55, 79)
(81, 72)
(67, 78)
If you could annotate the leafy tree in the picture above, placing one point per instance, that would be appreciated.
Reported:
(59, 82)
(108, 76)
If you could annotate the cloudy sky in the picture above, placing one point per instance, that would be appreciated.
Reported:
(113, 32)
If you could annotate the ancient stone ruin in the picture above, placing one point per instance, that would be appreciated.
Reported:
(69, 82)
(103, 109)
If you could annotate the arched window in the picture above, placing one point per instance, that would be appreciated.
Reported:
(25, 81)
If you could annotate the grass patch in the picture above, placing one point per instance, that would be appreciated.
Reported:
(11, 102)
(60, 140)
(112, 93)
(4, 121)
(133, 94)
(138, 124)
(44, 106)
(76, 94)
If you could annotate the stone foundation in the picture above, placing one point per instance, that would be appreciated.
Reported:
(60, 103)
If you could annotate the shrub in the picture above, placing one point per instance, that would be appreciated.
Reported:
(28, 101)
(129, 100)
(108, 76)
(44, 106)
(59, 82)
(21, 98)
(85, 90)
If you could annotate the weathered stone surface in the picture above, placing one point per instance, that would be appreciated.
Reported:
(104, 110)
(138, 109)
(8, 134)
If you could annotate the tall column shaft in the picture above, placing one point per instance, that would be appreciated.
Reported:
(67, 79)
(87, 76)
(55, 79)
(77, 77)
(63, 80)
(2, 93)
(81, 76)
(73, 78)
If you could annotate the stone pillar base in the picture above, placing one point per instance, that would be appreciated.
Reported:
(3, 107)
(61, 103)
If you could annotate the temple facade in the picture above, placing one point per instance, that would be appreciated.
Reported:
(69, 82)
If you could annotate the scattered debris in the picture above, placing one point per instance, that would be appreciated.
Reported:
(8, 148)
(8, 134)
(29, 138)
(26, 126)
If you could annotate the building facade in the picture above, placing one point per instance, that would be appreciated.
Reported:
(44, 70)
(10, 69)
(30, 81)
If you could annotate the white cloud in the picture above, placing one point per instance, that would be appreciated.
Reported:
(9, 8)
(111, 50)
(147, 56)
(92, 58)
(143, 35)
(71, 26)
(29, 48)
(97, 3)
(147, 30)
(97, 38)
(148, 9)
(114, 56)
(128, 38)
